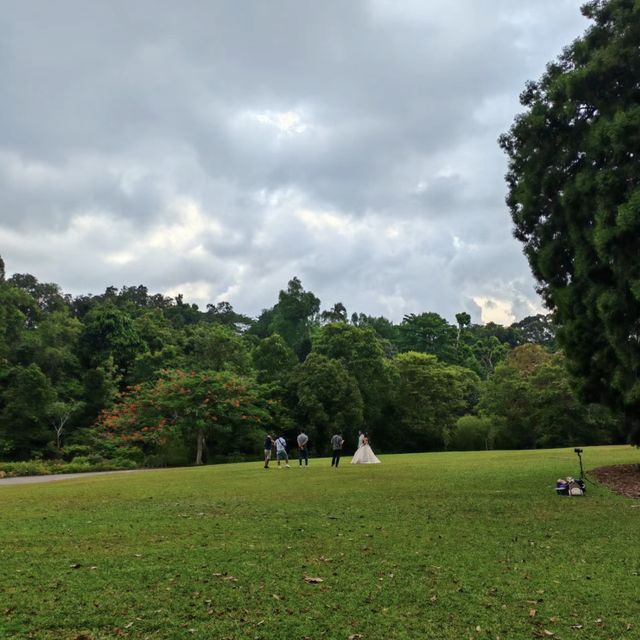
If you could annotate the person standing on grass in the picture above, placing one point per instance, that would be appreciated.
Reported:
(281, 451)
(336, 444)
(360, 439)
(268, 446)
(364, 454)
(303, 448)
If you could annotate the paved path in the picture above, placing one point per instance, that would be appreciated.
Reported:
(61, 476)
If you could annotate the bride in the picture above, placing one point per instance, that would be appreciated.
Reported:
(364, 454)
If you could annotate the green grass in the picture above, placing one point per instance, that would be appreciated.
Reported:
(443, 546)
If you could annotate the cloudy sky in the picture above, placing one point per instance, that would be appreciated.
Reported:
(219, 147)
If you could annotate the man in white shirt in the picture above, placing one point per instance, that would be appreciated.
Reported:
(281, 451)
(303, 449)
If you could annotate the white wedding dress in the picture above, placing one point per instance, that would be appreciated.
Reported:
(365, 455)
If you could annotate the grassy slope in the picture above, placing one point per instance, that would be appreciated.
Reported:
(445, 545)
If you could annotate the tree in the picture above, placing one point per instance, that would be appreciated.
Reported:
(162, 348)
(59, 414)
(428, 333)
(223, 313)
(574, 195)
(46, 294)
(27, 401)
(328, 400)
(471, 433)
(273, 359)
(508, 398)
(101, 386)
(430, 397)
(182, 314)
(53, 346)
(201, 407)
(531, 403)
(481, 347)
(217, 347)
(16, 307)
(383, 327)
(293, 316)
(110, 333)
(338, 313)
(528, 358)
(538, 329)
(360, 351)
(464, 320)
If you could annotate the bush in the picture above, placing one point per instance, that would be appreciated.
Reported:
(174, 453)
(76, 467)
(73, 450)
(29, 468)
(154, 461)
(118, 463)
(472, 433)
(80, 464)
(239, 457)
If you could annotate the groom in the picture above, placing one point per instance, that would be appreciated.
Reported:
(336, 444)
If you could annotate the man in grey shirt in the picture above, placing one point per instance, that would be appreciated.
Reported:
(303, 449)
(336, 444)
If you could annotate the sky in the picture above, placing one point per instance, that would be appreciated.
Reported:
(219, 148)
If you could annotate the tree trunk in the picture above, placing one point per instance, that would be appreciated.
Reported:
(200, 446)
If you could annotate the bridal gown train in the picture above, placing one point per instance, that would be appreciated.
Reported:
(365, 455)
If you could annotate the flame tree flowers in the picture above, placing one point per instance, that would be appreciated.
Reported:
(202, 409)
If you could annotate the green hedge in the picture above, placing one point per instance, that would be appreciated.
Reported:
(80, 464)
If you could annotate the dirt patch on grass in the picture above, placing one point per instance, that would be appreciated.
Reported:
(622, 478)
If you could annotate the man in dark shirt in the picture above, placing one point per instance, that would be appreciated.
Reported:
(268, 445)
(336, 444)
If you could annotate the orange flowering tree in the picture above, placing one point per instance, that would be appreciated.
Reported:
(198, 406)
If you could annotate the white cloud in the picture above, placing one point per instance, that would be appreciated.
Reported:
(493, 310)
(318, 221)
(287, 122)
(198, 290)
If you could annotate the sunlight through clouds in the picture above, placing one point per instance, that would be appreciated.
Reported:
(492, 310)
(325, 221)
(190, 225)
(285, 122)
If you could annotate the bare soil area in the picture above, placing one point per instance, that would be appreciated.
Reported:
(621, 478)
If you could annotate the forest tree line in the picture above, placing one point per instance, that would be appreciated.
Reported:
(142, 378)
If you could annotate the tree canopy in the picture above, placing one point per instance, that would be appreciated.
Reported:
(137, 377)
(574, 195)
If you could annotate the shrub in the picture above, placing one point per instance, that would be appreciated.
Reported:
(118, 463)
(73, 450)
(80, 464)
(472, 433)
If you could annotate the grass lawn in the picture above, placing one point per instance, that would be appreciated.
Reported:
(441, 545)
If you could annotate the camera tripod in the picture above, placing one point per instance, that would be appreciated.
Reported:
(578, 452)
(583, 475)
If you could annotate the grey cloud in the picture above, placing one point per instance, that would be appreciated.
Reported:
(124, 110)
